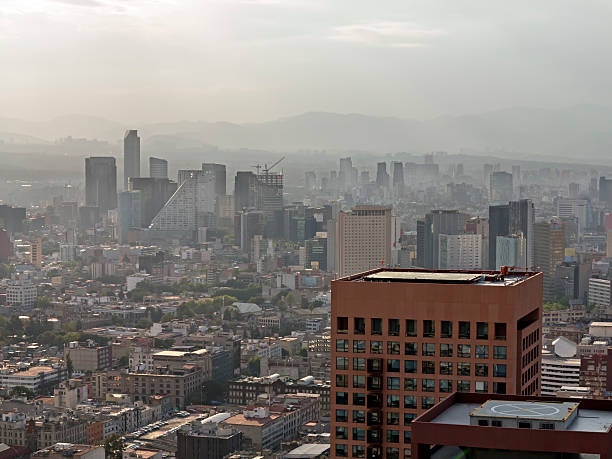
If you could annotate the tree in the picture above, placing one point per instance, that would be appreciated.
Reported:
(254, 366)
(21, 391)
(304, 352)
(124, 361)
(42, 302)
(15, 326)
(113, 446)
(69, 366)
(143, 322)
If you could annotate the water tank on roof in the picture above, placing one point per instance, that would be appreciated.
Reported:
(306, 380)
(274, 377)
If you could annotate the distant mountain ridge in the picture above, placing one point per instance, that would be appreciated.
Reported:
(578, 131)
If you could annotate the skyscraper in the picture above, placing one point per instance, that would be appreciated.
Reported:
(605, 191)
(439, 222)
(512, 219)
(245, 190)
(382, 177)
(549, 252)
(398, 178)
(101, 182)
(218, 170)
(499, 225)
(154, 193)
(131, 156)
(363, 239)
(129, 212)
(460, 251)
(158, 168)
(402, 340)
(501, 187)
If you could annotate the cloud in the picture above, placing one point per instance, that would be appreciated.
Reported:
(386, 33)
(80, 2)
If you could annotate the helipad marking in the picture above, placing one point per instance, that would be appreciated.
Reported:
(525, 410)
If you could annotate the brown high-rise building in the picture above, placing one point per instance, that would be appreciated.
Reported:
(402, 340)
(549, 252)
(36, 252)
(362, 239)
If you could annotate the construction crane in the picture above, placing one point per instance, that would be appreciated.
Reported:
(266, 170)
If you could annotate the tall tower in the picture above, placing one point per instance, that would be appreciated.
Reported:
(158, 168)
(101, 182)
(549, 252)
(131, 156)
(218, 170)
(439, 222)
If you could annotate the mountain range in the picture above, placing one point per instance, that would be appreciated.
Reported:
(582, 132)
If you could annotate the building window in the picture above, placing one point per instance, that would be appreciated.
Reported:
(464, 330)
(500, 352)
(481, 386)
(394, 327)
(393, 347)
(547, 426)
(359, 399)
(341, 398)
(410, 348)
(392, 401)
(410, 401)
(500, 331)
(393, 436)
(342, 345)
(446, 329)
(428, 368)
(341, 363)
(427, 402)
(342, 325)
(499, 387)
(463, 386)
(376, 347)
(483, 423)
(408, 418)
(341, 433)
(524, 425)
(446, 385)
(358, 363)
(393, 383)
(359, 346)
(393, 418)
(392, 453)
(341, 380)
(481, 369)
(358, 451)
(359, 323)
(410, 384)
(499, 370)
(359, 416)
(482, 352)
(358, 434)
(410, 366)
(482, 330)
(464, 351)
(411, 327)
(428, 385)
(463, 369)
(446, 368)
(375, 365)
(341, 450)
(446, 350)
(393, 365)
(496, 423)
(429, 329)
(358, 381)
(429, 349)
(376, 326)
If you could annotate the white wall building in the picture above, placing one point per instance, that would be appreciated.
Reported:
(460, 251)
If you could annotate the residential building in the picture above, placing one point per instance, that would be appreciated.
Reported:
(21, 292)
(460, 251)
(549, 252)
(88, 356)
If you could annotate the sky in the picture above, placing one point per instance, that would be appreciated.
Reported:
(253, 60)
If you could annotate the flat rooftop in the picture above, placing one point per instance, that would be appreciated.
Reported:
(548, 411)
(492, 278)
(598, 421)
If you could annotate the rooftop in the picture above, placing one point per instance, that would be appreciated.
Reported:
(423, 276)
(553, 411)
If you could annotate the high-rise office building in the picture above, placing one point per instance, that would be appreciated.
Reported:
(549, 252)
(499, 225)
(575, 208)
(131, 156)
(501, 190)
(245, 190)
(218, 170)
(403, 340)
(154, 193)
(516, 181)
(158, 168)
(101, 183)
(439, 222)
(514, 218)
(5, 246)
(510, 250)
(11, 218)
(36, 252)
(605, 191)
(460, 251)
(398, 178)
(382, 177)
(345, 174)
(363, 239)
(129, 212)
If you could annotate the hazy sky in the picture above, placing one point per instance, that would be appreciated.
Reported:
(250, 60)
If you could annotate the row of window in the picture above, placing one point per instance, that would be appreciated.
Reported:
(428, 329)
(374, 417)
(373, 435)
(410, 401)
(409, 384)
(427, 367)
(427, 349)
(360, 451)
